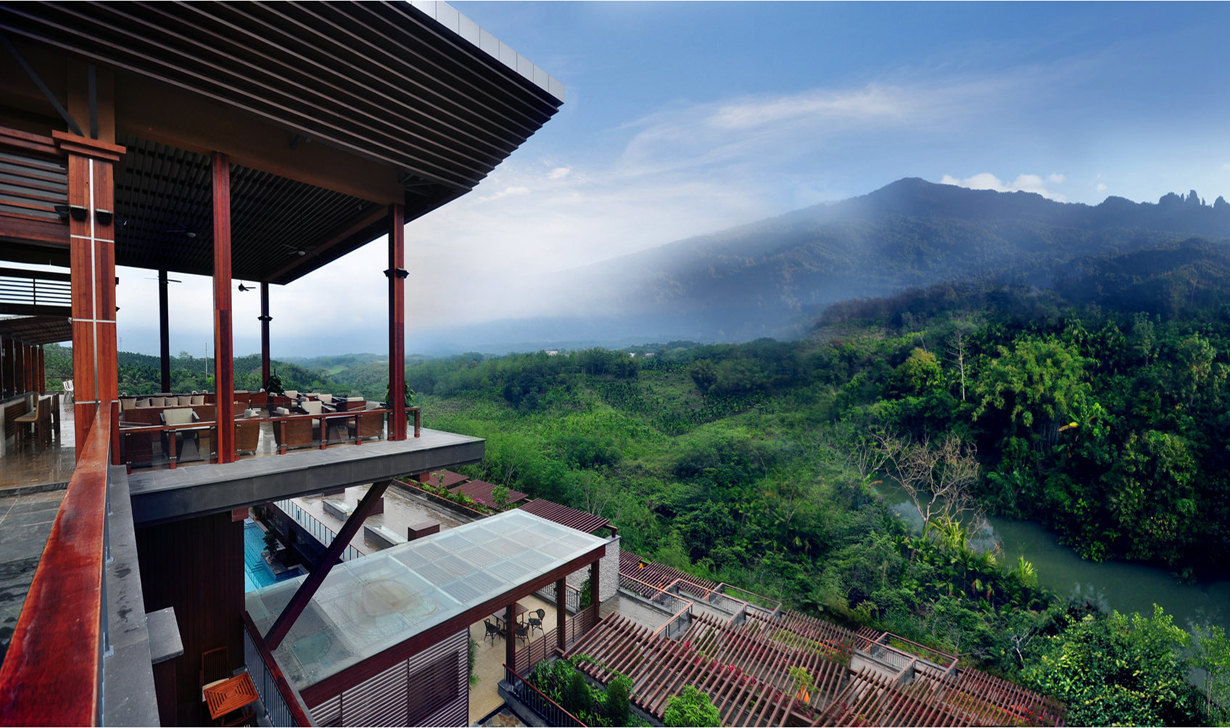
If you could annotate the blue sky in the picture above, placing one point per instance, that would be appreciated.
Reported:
(687, 118)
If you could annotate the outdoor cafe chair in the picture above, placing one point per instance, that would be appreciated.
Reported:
(536, 622)
(492, 631)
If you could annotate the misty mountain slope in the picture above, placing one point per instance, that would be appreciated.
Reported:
(767, 277)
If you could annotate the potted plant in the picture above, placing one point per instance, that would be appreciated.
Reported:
(273, 388)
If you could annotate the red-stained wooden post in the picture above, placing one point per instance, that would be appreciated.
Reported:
(397, 323)
(510, 635)
(224, 362)
(91, 228)
(595, 579)
(41, 377)
(561, 611)
(25, 367)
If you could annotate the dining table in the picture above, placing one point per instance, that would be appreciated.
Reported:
(498, 615)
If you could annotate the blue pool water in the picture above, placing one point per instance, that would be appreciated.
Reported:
(256, 573)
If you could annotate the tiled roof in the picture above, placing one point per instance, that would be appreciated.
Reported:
(481, 491)
(571, 517)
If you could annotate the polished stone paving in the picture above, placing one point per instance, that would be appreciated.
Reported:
(25, 524)
(34, 468)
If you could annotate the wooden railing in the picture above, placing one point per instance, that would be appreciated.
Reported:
(552, 713)
(52, 674)
(126, 432)
(542, 648)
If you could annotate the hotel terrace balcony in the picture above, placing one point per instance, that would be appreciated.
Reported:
(237, 141)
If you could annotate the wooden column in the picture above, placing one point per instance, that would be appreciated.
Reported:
(265, 319)
(595, 580)
(164, 332)
(561, 611)
(22, 368)
(91, 228)
(224, 362)
(397, 324)
(7, 371)
(510, 635)
(10, 353)
(41, 372)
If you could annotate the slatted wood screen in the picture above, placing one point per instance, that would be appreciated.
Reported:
(431, 688)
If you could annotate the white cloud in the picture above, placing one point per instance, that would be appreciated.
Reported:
(559, 173)
(1022, 183)
(1100, 187)
(506, 192)
(871, 103)
(766, 130)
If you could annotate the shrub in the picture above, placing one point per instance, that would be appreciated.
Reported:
(691, 708)
(577, 697)
(618, 705)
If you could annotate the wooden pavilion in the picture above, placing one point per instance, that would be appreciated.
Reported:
(258, 141)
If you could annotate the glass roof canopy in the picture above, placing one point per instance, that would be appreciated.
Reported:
(374, 603)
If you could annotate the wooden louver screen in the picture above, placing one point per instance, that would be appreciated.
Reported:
(33, 181)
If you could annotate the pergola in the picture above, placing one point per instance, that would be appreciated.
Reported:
(258, 141)
(778, 667)
(249, 140)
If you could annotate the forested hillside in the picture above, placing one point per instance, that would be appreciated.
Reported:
(1101, 415)
(1097, 407)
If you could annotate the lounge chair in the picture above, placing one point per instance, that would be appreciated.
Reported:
(292, 433)
(247, 434)
(187, 443)
(371, 424)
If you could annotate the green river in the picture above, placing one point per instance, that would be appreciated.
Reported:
(1109, 585)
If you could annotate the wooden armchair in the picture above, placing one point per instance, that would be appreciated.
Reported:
(247, 435)
(179, 451)
(292, 433)
(371, 424)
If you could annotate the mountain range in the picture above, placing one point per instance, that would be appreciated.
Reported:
(775, 276)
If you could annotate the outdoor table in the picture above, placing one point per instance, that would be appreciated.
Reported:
(230, 695)
(498, 615)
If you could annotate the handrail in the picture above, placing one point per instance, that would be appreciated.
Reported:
(315, 525)
(660, 594)
(575, 721)
(272, 672)
(53, 670)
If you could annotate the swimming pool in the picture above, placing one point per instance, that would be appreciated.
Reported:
(256, 573)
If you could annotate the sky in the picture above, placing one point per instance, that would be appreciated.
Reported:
(685, 118)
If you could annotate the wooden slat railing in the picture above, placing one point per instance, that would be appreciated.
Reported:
(53, 670)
